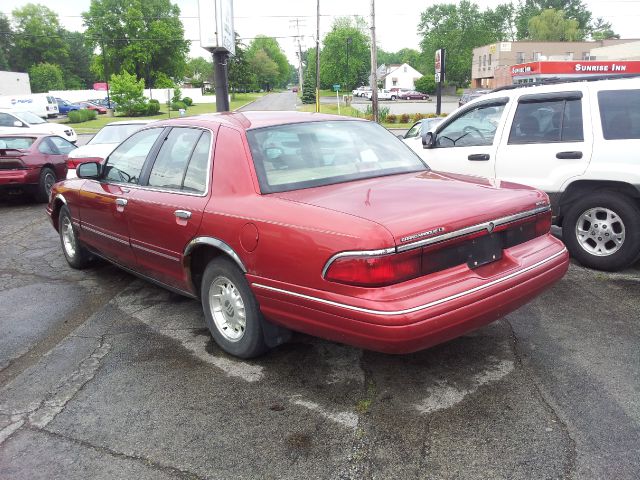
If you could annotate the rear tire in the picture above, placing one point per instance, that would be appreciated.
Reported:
(46, 181)
(602, 231)
(231, 310)
(77, 256)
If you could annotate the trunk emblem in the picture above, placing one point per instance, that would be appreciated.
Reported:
(423, 234)
(491, 226)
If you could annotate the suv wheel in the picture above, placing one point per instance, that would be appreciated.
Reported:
(602, 231)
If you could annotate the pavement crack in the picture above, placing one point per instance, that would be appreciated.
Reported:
(571, 460)
(125, 456)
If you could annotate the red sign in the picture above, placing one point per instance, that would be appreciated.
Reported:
(612, 67)
(438, 61)
(100, 86)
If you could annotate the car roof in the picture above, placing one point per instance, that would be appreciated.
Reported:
(255, 119)
(130, 122)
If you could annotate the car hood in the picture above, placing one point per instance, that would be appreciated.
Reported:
(420, 205)
(100, 150)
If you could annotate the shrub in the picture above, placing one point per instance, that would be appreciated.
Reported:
(368, 116)
(444, 114)
(127, 93)
(431, 115)
(391, 118)
(177, 95)
(92, 114)
(175, 106)
(153, 107)
(404, 118)
(79, 116)
(187, 101)
(382, 113)
(418, 116)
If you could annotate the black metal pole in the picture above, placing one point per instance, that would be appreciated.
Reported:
(222, 80)
(439, 96)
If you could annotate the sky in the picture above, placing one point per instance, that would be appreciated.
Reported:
(396, 22)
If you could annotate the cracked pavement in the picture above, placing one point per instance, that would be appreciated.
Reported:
(106, 376)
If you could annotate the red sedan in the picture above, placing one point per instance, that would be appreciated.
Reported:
(412, 95)
(326, 225)
(92, 106)
(32, 163)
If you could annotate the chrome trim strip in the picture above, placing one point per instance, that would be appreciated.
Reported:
(170, 257)
(419, 307)
(213, 242)
(106, 235)
(489, 226)
(357, 253)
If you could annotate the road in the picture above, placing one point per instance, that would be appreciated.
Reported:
(273, 101)
(106, 376)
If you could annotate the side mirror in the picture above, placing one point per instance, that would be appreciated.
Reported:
(428, 139)
(17, 123)
(89, 170)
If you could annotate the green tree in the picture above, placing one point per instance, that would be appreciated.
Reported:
(271, 48)
(45, 77)
(573, 10)
(6, 42)
(128, 93)
(309, 77)
(338, 67)
(241, 77)
(77, 65)
(551, 26)
(37, 38)
(265, 69)
(459, 29)
(139, 36)
(162, 80)
(199, 70)
(426, 84)
(601, 30)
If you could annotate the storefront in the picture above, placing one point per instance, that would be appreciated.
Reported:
(536, 71)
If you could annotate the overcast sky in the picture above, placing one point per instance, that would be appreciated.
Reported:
(396, 21)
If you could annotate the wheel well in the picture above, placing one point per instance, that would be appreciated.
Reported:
(50, 166)
(198, 260)
(57, 205)
(579, 188)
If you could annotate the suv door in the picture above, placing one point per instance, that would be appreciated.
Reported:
(549, 140)
(103, 203)
(165, 212)
(468, 142)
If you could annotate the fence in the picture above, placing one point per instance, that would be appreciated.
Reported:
(160, 94)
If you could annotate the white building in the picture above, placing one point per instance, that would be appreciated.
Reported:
(14, 83)
(398, 76)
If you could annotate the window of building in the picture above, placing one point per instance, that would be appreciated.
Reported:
(479, 62)
(536, 56)
(405, 69)
(520, 58)
(620, 114)
(586, 55)
(489, 59)
(569, 55)
(484, 61)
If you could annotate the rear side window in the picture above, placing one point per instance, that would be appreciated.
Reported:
(556, 120)
(620, 114)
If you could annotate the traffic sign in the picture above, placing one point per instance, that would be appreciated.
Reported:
(336, 87)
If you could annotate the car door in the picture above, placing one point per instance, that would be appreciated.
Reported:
(467, 144)
(165, 213)
(547, 142)
(103, 202)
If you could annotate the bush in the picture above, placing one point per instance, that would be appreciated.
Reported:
(153, 107)
(127, 93)
(79, 116)
(187, 101)
(392, 118)
(382, 113)
(175, 106)
(418, 116)
(404, 118)
(177, 95)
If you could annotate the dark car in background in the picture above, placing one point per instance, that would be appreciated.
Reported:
(412, 95)
(92, 106)
(32, 163)
(103, 102)
(468, 96)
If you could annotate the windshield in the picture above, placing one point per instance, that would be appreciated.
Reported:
(28, 117)
(16, 142)
(114, 133)
(304, 155)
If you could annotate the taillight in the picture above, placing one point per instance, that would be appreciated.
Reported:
(543, 223)
(74, 162)
(376, 271)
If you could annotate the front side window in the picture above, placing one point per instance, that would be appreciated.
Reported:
(313, 154)
(476, 127)
(620, 114)
(125, 162)
(170, 166)
(557, 120)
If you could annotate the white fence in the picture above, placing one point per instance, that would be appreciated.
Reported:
(160, 94)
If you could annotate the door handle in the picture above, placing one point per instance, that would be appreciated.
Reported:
(184, 214)
(479, 157)
(121, 202)
(569, 155)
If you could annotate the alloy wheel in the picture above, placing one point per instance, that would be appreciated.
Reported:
(600, 231)
(227, 309)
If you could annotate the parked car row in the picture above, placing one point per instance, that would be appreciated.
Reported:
(14, 121)
(65, 107)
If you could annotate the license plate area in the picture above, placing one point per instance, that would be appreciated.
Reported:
(483, 250)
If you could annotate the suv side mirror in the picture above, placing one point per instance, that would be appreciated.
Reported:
(91, 170)
(428, 139)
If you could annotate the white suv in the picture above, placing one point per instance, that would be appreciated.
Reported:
(578, 141)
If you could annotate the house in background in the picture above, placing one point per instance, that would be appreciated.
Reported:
(397, 76)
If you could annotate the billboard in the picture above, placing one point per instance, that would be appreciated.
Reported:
(216, 25)
(613, 67)
(440, 64)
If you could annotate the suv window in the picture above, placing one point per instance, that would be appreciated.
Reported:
(473, 128)
(556, 120)
(169, 169)
(125, 162)
(620, 114)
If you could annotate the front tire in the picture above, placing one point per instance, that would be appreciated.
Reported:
(602, 231)
(77, 256)
(231, 310)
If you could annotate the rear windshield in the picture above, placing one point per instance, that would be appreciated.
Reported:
(115, 133)
(16, 142)
(304, 155)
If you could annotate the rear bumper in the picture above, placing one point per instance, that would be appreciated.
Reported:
(423, 320)
(18, 178)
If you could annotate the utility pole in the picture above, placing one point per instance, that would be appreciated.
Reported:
(106, 74)
(374, 64)
(299, 52)
(318, 59)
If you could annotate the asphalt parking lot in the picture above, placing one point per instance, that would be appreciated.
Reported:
(106, 376)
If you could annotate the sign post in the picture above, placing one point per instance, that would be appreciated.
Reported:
(439, 77)
(336, 88)
(217, 35)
